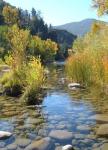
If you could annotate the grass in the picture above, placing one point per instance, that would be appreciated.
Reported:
(26, 81)
(88, 68)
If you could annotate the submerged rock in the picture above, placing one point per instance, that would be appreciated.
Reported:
(21, 142)
(61, 134)
(4, 135)
(84, 128)
(43, 144)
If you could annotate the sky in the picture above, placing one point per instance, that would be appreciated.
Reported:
(58, 12)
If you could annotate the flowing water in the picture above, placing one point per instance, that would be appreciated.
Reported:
(61, 110)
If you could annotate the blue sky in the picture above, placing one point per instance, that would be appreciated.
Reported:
(59, 12)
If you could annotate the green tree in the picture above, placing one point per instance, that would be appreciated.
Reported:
(45, 49)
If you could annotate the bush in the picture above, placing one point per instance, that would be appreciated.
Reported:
(13, 83)
(27, 81)
(34, 81)
(26, 75)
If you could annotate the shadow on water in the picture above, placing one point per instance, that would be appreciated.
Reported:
(61, 110)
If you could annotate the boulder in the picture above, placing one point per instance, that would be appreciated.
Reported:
(4, 135)
(61, 135)
(102, 130)
(43, 144)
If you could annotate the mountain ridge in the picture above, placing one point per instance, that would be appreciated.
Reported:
(79, 28)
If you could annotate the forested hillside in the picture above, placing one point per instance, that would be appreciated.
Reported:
(10, 15)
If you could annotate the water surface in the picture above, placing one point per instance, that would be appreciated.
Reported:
(60, 110)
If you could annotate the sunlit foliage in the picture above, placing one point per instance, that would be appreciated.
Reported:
(19, 40)
(34, 81)
(101, 5)
(89, 64)
(45, 49)
(26, 75)
(11, 15)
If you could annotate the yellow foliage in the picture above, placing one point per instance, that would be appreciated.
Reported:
(89, 65)
(11, 15)
(19, 40)
(46, 49)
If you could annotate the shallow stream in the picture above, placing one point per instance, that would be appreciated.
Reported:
(61, 110)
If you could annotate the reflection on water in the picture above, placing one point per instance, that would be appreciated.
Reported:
(59, 111)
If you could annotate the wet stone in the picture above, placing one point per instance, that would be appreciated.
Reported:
(22, 142)
(43, 132)
(80, 136)
(61, 127)
(12, 147)
(4, 134)
(83, 128)
(61, 134)
(43, 144)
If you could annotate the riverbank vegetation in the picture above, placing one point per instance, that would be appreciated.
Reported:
(26, 74)
(89, 64)
(25, 50)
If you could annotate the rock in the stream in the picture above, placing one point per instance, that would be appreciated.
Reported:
(63, 135)
(12, 147)
(43, 144)
(74, 86)
(102, 130)
(83, 128)
(21, 142)
(4, 135)
(100, 118)
(67, 147)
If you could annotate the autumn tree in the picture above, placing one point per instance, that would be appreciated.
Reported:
(11, 15)
(18, 39)
(101, 5)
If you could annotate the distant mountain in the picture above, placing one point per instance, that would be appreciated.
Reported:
(77, 28)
